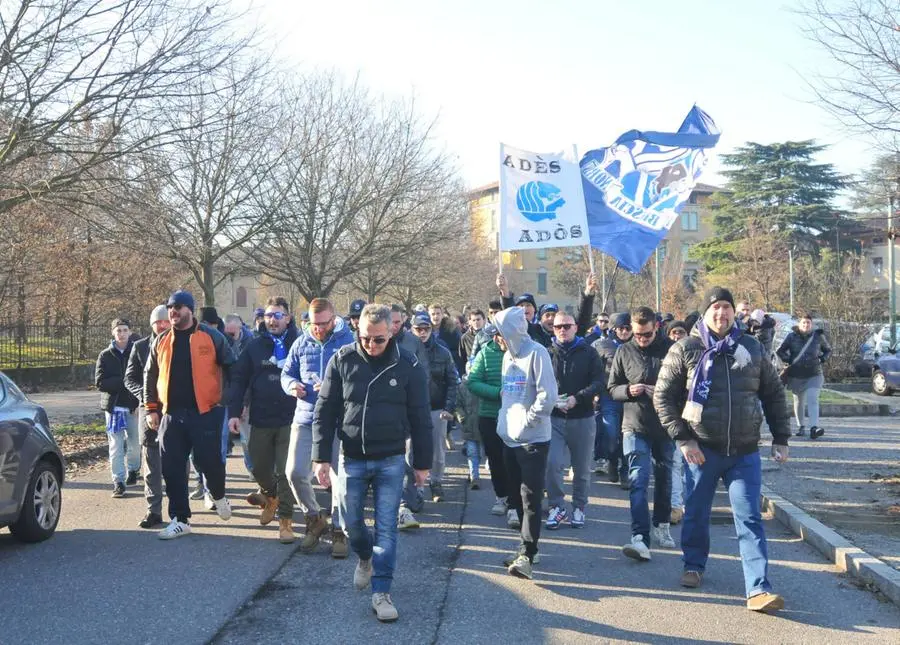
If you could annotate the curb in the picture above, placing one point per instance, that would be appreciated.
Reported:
(847, 557)
(854, 410)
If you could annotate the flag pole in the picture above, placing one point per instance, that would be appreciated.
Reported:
(612, 281)
(590, 252)
(499, 255)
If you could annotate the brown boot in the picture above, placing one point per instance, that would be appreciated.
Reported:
(316, 525)
(269, 510)
(339, 549)
(256, 498)
(285, 531)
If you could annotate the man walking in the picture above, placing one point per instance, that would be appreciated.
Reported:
(609, 444)
(257, 374)
(442, 383)
(467, 343)
(119, 406)
(632, 379)
(527, 398)
(185, 374)
(301, 377)
(374, 395)
(239, 337)
(724, 375)
(149, 439)
(579, 378)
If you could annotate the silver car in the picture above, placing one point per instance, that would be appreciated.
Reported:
(32, 467)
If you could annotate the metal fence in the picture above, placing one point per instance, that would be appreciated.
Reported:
(24, 345)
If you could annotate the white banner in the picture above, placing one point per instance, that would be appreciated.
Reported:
(541, 201)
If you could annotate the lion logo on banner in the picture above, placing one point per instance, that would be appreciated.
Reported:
(539, 200)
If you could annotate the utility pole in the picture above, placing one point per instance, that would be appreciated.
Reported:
(892, 286)
(791, 280)
(658, 285)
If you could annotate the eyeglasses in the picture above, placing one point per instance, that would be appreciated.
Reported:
(565, 326)
(644, 334)
(277, 315)
(321, 324)
(373, 340)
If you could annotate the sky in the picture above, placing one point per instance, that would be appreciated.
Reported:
(544, 76)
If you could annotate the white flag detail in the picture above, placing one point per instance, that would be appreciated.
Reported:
(541, 201)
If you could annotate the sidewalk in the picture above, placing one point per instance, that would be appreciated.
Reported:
(849, 480)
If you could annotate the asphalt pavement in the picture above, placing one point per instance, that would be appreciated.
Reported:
(101, 579)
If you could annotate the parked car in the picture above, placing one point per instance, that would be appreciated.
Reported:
(886, 374)
(32, 467)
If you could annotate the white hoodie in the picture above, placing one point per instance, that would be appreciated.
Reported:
(529, 386)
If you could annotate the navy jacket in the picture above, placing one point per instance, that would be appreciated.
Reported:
(110, 379)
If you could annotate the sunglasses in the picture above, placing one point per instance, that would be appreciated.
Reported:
(277, 315)
(373, 340)
(175, 307)
(602, 322)
(644, 334)
(566, 326)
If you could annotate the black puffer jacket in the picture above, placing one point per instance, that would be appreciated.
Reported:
(579, 373)
(764, 332)
(110, 379)
(137, 362)
(373, 404)
(810, 362)
(443, 379)
(731, 417)
(256, 379)
(632, 365)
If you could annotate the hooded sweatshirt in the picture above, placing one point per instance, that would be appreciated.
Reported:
(529, 385)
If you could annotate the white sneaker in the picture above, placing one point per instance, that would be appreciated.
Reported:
(175, 529)
(208, 502)
(661, 535)
(512, 520)
(600, 466)
(363, 574)
(499, 507)
(406, 520)
(637, 549)
(223, 508)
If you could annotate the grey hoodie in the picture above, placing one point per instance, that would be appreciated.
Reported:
(529, 386)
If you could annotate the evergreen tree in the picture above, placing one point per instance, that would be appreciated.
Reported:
(776, 188)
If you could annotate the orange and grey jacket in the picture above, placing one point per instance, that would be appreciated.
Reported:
(211, 355)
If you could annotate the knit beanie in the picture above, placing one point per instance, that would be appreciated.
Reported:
(716, 294)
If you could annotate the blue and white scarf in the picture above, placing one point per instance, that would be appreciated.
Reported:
(117, 420)
(280, 350)
(698, 393)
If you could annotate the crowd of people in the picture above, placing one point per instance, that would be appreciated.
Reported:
(369, 402)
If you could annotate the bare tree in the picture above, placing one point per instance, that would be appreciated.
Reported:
(861, 37)
(367, 189)
(68, 67)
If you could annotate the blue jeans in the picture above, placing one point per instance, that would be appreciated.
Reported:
(742, 475)
(385, 477)
(609, 429)
(473, 455)
(638, 450)
(124, 449)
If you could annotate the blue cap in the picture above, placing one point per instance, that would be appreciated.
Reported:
(181, 297)
(491, 330)
(548, 308)
(356, 308)
(421, 320)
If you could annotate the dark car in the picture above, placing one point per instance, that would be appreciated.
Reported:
(31, 467)
(886, 374)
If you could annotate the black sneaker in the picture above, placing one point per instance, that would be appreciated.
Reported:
(815, 432)
(474, 485)
(437, 493)
(199, 492)
(132, 478)
(119, 490)
(150, 520)
(801, 431)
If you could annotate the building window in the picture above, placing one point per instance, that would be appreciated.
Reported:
(240, 297)
(689, 221)
(542, 254)
(878, 266)
(542, 281)
(685, 251)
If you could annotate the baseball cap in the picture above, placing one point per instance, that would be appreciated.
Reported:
(526, 297)
(421, 320)
(356, 308)
(491, 330)
(620, 320)
(550, 307)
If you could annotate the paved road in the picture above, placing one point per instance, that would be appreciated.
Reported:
(101, 580)
(70, 406)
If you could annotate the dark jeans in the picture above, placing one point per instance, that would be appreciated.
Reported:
(493, 448)
(608, 440)
(181, 431)
(638, 450)
(152, 460)
(742, 475)
(526, 469)
(268, 454)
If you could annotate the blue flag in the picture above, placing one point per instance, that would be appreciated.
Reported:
(635, 188)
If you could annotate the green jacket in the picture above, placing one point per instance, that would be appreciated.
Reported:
(486, 378)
